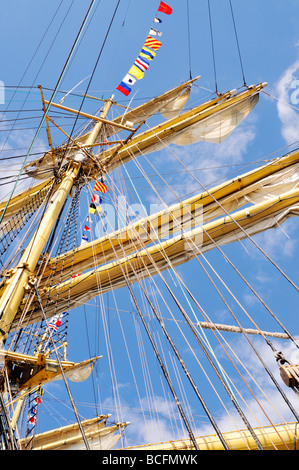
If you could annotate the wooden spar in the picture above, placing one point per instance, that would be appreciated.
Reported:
(279, 437)
(90, 116)
(47, 123)
(96, 129)
(236, 329)
(38, 370)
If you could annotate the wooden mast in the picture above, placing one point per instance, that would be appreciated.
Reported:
(23, 274)
(16, 285)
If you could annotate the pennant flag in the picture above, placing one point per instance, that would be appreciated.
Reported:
(164, 8)
(157, 20)
(125, 89)
(87, 229)
(32, 420)
(76, 275)
(100, 187)
(84, 239)
(92, 209)
(153, 43)
(95, 198)
(33, 411)
(155, 32)
(55, 321)
(147, 53)
(136, 72)
(129, 80)
(142, 64)
(40, 390)
(37, 400)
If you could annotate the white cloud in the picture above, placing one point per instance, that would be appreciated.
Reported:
(278, 243)
(149, 420)
(286, 91)
(12, 144)
(212, 161)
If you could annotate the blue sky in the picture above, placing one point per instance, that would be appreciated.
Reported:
(269, 44)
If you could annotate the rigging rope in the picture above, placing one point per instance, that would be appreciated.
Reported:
(62, 373)
(163, 368)
(50, 101)
(237, 41)
(185, 369)
(189, 40)
(268, 342)
(93, 72)
(240, 227)
(213, 47)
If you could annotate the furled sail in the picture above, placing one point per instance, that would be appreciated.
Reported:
(177, 250)
(173, 101)
(174, 108)
(158, 137)
(277, 177)
(155, 138)
(280, 437)
(98, 435)
(28, 372)
(218, 127)
(169, 104)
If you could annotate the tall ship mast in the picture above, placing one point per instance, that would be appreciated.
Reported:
(123, 328)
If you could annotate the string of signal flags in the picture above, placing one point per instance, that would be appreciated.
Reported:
(147, 54)
(94, 208)
(136, 72)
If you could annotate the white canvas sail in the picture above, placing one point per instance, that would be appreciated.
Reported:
(218, 127)
(97, 433)
(174, 108)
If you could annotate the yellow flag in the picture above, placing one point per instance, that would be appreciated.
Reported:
(92, 208)
(147, 53)
(136, 72)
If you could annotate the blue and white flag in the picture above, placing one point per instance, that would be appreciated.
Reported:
(84, 239)
(129, 80)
